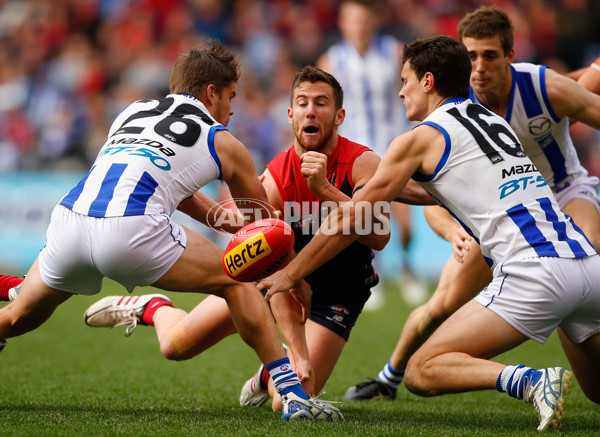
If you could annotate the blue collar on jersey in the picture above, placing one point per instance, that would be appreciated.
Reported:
(191, 97)
(455, 100)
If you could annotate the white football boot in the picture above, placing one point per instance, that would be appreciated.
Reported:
(254, 393)
(295, 407)
(547, 396)
(114, 311)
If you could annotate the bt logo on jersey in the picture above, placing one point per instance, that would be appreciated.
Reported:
(508, 188)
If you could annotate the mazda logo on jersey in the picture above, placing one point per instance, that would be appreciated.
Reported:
(539, 126)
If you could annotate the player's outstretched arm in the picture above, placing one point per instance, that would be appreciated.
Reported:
(417, 150)
(570, 99)
(590, 78)
(442, 223)
(239, 173)
(314, 168)
(205, 209)
(290, 317)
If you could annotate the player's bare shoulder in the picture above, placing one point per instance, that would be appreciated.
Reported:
(364, 167)
(232, 153)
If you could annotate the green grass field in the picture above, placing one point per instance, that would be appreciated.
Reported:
(67, 379)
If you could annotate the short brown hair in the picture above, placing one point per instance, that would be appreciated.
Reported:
(444, 57)
(195, 70)
(315, 74)
(487, 22)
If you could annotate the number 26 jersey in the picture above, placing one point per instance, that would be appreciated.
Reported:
(158, 153)
(488, 183)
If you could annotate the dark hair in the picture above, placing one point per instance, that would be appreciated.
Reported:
(487, 22)
(315, 74)
(447, 59)
(195, 70)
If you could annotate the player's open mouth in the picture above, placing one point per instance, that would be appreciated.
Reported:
(311, 130)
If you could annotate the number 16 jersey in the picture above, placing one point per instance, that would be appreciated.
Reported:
(488, 183)
(158, 153)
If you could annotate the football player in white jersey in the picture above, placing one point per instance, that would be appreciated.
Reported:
(328, 163)
(116, 222)
(537, 102)
(546, 274)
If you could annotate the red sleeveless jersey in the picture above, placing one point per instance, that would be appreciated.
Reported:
(285, 169)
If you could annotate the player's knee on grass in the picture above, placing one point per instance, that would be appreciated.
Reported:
(180, 345)
(415, 377)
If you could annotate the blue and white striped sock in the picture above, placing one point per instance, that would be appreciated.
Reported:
(391, 376)
(514, 379)
(284, 378)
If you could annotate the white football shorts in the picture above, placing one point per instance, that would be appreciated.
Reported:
(134, 251)
(583, 188)
(535, 295)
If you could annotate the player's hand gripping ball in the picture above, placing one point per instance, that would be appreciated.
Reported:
(258, 250)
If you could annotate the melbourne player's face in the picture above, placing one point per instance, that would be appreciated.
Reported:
(415, 101)
(490, 67)
(222, 108)
(313, 116)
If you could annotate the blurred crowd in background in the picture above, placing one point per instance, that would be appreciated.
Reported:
(68, 67)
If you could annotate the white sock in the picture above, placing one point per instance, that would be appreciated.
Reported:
(391, 376)
(514, 379)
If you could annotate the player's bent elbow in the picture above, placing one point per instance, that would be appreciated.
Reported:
(379, 242)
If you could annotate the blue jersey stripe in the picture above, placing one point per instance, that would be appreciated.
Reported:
(368, 101)
(555, 157)
(530, 102)
(107, 189)
(545, 94)
(511, 100)
(136, 205)
(426, 178)
(527, 225)
(70, 199)
(561, 227)
(211, 147)
(487, 259)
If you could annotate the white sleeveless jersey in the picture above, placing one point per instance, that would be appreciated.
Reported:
(158, 153)
(371, 82)
(544, 136)
(492, 188)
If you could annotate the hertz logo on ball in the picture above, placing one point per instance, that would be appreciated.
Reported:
(246, 254)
